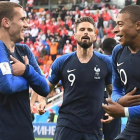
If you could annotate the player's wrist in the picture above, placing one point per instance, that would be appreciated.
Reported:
(126, 111)
(26, 70)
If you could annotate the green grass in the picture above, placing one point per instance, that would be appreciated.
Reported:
(43, 139)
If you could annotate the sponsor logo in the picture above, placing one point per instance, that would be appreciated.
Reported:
(68, 71)
(119, 64)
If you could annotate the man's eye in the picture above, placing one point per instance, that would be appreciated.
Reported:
(120, 25)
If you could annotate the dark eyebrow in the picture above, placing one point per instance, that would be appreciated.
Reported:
(22, 17)
(119, 22)
(85, 28)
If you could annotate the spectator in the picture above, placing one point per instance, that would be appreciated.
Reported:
(29, 42)
(83, 4)
(74, 5)
(53, 49)
(51, 116)
(34, 33)
(106, 18)
(97, 43)
(30, 4)
(100, 26)
(67, 47)
(93, 5)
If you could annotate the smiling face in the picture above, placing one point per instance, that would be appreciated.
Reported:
(85, 34)
(125, 30)
(17, 25)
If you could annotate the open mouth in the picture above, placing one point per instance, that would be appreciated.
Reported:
(119, 37)
(85, 38)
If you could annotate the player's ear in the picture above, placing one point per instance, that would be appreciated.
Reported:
(5, 22)
(138, 25)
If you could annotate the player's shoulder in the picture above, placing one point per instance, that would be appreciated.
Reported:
(64, 57)
(2, 45)
(21, 45)
(116, 50)
(103, 57)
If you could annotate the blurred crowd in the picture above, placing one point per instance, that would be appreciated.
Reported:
(51, 33)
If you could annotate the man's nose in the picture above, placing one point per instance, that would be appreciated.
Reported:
(115, 30)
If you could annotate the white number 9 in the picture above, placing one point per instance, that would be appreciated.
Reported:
(71, 78)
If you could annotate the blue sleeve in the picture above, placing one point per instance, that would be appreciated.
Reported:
(134, 111)
(107, 60)
(34, 75)
(117, 91)
(55, 71)
(10, 84)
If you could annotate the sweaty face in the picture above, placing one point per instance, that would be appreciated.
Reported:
(18, 25)
(125, 29)
(85, 35)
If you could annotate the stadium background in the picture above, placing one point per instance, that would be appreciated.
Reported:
(44, 130)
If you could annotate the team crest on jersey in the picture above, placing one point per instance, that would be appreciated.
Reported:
(50, 72)
(97, 72)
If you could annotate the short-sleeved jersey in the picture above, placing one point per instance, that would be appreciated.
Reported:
(126, 76)
(84, 85)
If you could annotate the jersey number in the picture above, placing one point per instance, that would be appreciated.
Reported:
(71, 78)
(123, 73)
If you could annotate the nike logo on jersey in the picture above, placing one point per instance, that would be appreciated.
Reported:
(68, 71)
(119, 64)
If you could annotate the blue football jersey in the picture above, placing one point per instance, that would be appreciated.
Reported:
(15, 116)
(126, 76)
(84, 85)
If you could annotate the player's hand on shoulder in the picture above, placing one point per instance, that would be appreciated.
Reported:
(18, 67)
(113, 109)
(130, 99)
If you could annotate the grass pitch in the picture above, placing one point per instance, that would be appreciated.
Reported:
(43, 139)
(46, 139)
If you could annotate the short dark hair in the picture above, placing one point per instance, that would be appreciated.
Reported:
(84, 19)
(7, 9)
(133, 11)
(108, 45)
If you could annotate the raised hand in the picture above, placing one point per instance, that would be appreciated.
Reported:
(18, 67)
(130, 99)
(113, 109)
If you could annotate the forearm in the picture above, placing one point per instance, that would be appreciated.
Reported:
(41, 99)
(37, 81)
(134, 111)
(117, 93)
(10, 84)
(34, 97)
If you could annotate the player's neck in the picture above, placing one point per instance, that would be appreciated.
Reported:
(9, 44)
(134, 49)
(84, 55)
(7, 41)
